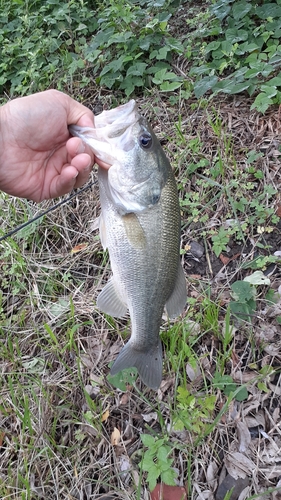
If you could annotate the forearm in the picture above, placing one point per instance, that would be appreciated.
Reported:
(3, 127)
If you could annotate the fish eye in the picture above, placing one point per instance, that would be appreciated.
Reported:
(145, 141)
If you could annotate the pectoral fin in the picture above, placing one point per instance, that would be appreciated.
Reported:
(177, 300)
(134, 231)
(110, 302)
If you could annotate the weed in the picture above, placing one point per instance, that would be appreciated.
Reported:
(243, 54)
(156, 462)
(220, 241)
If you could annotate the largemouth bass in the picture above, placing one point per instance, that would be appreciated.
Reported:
(140, 226)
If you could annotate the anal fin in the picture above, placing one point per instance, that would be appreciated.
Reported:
(177, 300)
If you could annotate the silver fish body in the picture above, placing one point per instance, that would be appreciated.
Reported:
(140, 226)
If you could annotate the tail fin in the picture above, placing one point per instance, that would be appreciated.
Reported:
(148, 363)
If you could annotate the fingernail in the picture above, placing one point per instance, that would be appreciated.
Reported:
(88, 167)
(81, 148)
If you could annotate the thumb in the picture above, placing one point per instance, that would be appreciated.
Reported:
(78, 114)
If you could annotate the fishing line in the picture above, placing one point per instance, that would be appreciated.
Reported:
(51, 209)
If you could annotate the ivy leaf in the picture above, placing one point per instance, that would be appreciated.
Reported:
(239, 87)
(234, 35)
(269, 90)
(170, 86)
(268, 10)
(262, 102)
(220, 9)
(212, 46)
(137, 69)
(203, 85)
(240, 9)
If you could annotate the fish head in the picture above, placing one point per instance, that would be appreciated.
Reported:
(136, 179)
(139, 167)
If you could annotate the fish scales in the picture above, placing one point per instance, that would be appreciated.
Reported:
(143, 246)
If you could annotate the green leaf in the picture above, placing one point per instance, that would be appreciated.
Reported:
(242, 394)
(123, 378)
(226, 47)
(262, 387)
(239, 87)
(163, 453)
(257, 278)
(147, 440)
(112, 66)
(234, 35)
(275, 81)
(243, 310)
(252, 72)
(203, 85)
(152, 476)
(169, 477)
(242, 291)
(220, 9)
(212, 46)
(262, 102)
(137, 69)
(159, 76)
(240, 9)
(268, 10)
(162, 53)
(270, 91)
(170, 86)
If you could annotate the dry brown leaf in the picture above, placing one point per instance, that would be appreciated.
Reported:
(79, 248)
(165, 385)
(2, 436)
(243, 377)
(150, 417)
(244, 436)
(105, 416)
(278, 211)
(244, 493)
(126, 396)
(124, 467)
(255, 421)
(225, 260)
(212, 475)
(239, 466)
(271, 472)
(192, 373)
(115, 437)
(276, 389)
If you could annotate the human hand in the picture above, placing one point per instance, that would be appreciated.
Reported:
(38, 157)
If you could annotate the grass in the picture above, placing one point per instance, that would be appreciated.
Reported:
(68, 431)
